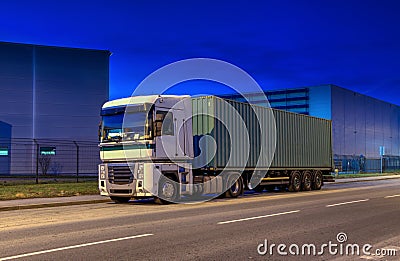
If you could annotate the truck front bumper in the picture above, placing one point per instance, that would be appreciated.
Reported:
(119, 180)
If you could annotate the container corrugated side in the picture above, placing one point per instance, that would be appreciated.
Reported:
(301, 141)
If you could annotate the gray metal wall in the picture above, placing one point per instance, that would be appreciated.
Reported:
(5, 147)
(51, 93)
(71, 87)
(362, 124)
(16, 77)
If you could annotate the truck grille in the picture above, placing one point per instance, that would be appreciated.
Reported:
(120, 175)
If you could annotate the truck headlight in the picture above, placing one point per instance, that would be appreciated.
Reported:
(140, 171)
(102, 172)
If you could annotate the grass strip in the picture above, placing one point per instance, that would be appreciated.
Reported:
(21, 191)
(365, 175)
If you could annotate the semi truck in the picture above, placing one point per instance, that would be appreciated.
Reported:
(177, 148)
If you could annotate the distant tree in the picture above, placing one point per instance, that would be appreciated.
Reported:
(44, 163)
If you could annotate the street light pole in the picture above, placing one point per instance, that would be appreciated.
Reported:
(382, 153)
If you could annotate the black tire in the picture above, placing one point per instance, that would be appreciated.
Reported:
(307, 181)
(295, 182)
(318, 180)
(236, 189)
(167, 191)
(120, 200)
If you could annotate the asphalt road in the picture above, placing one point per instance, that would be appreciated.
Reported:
(223, 229)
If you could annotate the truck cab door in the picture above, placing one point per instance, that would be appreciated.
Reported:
(165, 134)
(171, 134)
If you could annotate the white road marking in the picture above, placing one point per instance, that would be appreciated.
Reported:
(345, 203)
(393, 196)
(72, 247)
(251, 218)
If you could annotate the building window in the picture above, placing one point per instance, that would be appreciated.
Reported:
(47, 150)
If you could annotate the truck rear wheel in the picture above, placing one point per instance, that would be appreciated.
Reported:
(295, 182)
(236, 188)
(307, 181)
(120, 200)
(317, 182)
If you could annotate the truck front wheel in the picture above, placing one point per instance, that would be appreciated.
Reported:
(167, 191)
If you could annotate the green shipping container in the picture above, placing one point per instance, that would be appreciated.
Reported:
(298, 141)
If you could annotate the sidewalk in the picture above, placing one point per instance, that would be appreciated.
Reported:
(383, 177)
(31, 203)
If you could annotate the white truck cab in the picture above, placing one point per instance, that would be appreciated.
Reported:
(141, 138)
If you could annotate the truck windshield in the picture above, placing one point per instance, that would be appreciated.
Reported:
(137, 125)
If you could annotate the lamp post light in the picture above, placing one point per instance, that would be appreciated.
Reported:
(355, 151)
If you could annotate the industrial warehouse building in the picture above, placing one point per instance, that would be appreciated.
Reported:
(51, 98)
(49, 108)
(361, 124)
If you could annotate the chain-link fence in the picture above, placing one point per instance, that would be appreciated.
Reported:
(48, 159)
(361, 164)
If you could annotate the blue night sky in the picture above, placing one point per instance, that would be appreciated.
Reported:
(281, 44)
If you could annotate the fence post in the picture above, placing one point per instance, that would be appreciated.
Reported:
(37, 161)
(77, 161)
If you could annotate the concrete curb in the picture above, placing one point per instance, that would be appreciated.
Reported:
(53, 204)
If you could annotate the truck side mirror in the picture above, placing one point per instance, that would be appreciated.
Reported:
(99, 132)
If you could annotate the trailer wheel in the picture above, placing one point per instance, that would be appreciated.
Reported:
(317, 183)
(307, 181)
(236, 189)
(295, 182)
(120, 200)
(167, 191)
